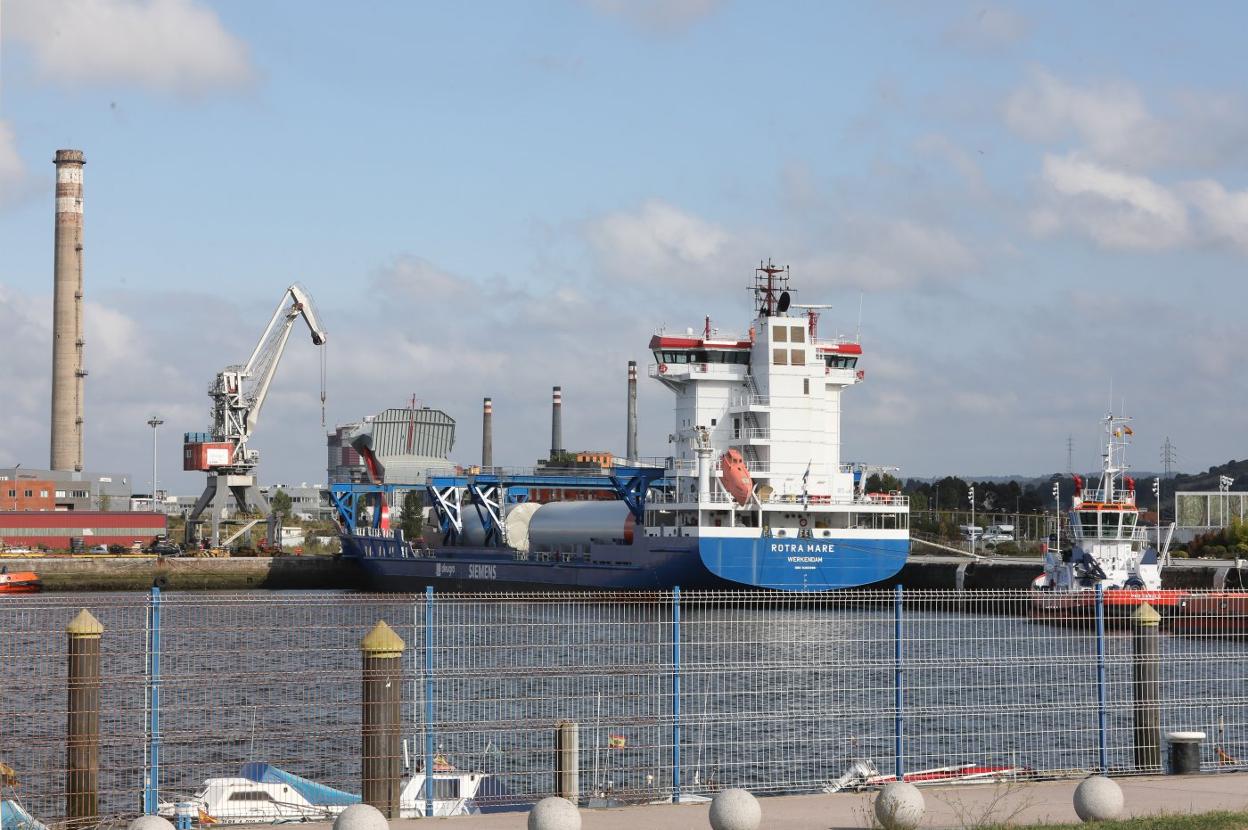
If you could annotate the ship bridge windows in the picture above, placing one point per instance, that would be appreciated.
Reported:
(840, 361)
(678, 357)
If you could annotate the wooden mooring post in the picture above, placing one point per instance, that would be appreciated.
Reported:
(381, 758)
(82, 722)
(567, 761)
(1146, 686)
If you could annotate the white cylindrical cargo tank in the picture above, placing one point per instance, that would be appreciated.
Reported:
(571, 525)
(516, 521)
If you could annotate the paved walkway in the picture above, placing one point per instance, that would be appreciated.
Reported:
(947, 807)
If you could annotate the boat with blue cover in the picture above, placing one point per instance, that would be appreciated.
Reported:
(754, 495)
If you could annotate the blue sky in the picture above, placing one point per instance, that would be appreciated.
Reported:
(1033, 201)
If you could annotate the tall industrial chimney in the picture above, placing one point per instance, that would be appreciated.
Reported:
(67, 370)
(556, 421)
(487, 433)
(632, 412)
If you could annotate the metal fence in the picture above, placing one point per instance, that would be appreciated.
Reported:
(672, 693)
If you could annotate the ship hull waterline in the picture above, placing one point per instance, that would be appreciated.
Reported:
(649, 564)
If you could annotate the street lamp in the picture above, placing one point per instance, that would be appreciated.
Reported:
(154, 422)
(1057, 516)
(970, 494)
(16, 476)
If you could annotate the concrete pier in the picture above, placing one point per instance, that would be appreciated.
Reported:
(1044, 802)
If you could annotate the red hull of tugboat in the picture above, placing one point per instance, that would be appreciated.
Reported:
(1210, 615)
(22, 582)
(1119, 603)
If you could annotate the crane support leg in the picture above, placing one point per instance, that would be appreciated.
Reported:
(222, 493)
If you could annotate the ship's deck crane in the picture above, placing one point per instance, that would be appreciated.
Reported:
(238, 395)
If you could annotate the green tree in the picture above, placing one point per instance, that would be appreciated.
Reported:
(883, 483)
(412, 521)
(280, 503)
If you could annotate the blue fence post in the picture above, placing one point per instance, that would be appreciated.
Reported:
(898, 689)
(429, 701)
(151, 794)
(1102, 726)
(676, 695)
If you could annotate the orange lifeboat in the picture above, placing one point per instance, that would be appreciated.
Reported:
(736, 476)
(20, 582)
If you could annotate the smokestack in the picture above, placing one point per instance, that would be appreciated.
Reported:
(556, 421)
(632, 412)
(487, 433)
(67, 371)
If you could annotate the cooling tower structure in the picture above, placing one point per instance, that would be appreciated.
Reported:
(67, 342)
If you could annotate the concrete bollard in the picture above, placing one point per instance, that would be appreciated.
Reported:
(82, 727)
(1098, 799)
(567, 761)
(735, 809)
(554, 814)
(381, 758)
(899, 806)
(150, 823)
(1146, 686)
(361, 817)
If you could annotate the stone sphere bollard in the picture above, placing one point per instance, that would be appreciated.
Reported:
(554, 813)
(361, 817)
(735, 810)
(150, 823)
(1098, 799)
(899, 806)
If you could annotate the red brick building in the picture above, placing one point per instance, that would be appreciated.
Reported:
(27, 494)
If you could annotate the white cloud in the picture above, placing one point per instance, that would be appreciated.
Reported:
(1112, 122)
(889, 255)
(1223, 213)
(176, 46)
(1115, 209)
(12, 171)
(661, 16)
(657, 241)
(1109, 118)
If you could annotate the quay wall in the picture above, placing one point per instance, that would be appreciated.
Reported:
(139, 573)
(188, 573)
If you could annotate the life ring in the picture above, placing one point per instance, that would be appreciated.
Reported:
(801, 522)
(662, 368)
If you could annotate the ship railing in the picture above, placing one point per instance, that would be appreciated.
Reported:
(739, 401)
(749, 433)
(1120, 496)
(729, 370)
(660, 496)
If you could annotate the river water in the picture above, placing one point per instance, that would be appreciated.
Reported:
(776, 694)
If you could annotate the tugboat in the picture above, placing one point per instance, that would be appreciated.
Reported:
(754, 494)
(19, 582)
(1110, 550)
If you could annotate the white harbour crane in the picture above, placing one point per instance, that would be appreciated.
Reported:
(238, 395)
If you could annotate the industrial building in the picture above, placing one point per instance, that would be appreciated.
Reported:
(55, 530)
(65, 490)
(410, 443)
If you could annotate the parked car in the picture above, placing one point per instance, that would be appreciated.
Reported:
(165, 548)
(99, 549)
(117, 548)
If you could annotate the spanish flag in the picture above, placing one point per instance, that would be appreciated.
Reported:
(204, 818)
(617, 741)
(1128, 430)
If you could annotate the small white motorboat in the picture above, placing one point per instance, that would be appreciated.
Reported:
(863, 774)
(264, 794)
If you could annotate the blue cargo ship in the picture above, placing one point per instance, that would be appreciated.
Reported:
(754, 495)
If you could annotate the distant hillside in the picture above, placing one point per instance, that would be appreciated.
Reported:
(1237, 470)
